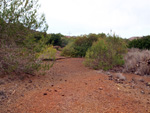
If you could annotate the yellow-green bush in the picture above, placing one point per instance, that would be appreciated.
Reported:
(106, 53)
(48, 53)
(69, 50)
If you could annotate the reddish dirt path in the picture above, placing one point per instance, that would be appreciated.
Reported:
(69, 87)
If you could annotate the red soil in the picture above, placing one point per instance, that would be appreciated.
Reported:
(69, 87)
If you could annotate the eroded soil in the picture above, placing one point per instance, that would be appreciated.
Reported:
(69, 87)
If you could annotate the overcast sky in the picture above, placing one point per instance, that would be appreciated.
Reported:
(126, 18)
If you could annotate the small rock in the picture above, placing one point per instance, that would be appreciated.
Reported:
(100, 88)
(100, 71)
(60, 79)
(120, 77)
(52, 85)
(45, 94)
(2, 93)
(55, 90)
(133, 87)
(110, 78)
(142, 92)
(133, 80)
(141, 80)
(108, 73)
(2, 82)
(148, 84)
(148, 102)
(63, 95)
(65, 80)
(30, 81)
(48, 90)
(85, 83)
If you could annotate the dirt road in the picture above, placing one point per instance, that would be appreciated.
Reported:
(69, 87)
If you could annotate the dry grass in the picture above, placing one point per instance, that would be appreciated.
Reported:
(16, 60)
(136, 61)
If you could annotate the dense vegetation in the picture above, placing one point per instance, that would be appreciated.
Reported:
(101, 51)
(79, 46)
(18, 39)
(106, 53)
(142, 43)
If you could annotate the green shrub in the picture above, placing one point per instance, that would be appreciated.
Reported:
(65, 41)
(79, 47)
(106, 53)
(48, 53)
(142, 43)
(55, 39)
(19, 21)
(69, 50)
(23, 58)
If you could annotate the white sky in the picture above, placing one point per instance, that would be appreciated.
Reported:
(126, 18)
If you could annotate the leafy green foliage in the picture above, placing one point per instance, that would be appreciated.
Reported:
(48, 53)
(65, 41)
(69, 50)
(79, 47)
(106, 53)
(142, 43)
(22, 12)
(18, 44)
(55, 39)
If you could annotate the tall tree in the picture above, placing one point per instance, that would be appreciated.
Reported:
(18, 14)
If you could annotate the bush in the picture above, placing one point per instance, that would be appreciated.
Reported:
(18, 60)
(137, 61)
(79, 47)
(106, 53)
(55, 39)
(24, 57)
(65, 41)
(18, 46)
(48, 53)
(142, 43)
(69, 50)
